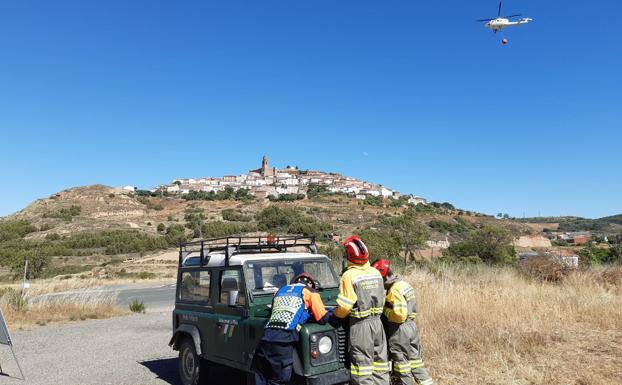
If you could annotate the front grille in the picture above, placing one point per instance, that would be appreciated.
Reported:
(342, 344)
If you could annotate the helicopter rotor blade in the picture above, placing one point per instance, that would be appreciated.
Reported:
(500, 4)
(484, 20)
(508, 17)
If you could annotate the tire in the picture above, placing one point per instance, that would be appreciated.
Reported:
(192, 368)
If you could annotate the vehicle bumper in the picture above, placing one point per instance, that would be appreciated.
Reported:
(331, 378)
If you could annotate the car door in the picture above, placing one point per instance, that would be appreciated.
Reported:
(231, 310)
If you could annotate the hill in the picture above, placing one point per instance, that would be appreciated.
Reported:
(616, 219)
(606, 225)
(83, 228)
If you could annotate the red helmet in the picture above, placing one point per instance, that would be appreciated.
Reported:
(356, 251)
(383, 266)
(304, 278)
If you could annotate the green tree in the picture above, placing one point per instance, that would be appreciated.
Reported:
(194, 221)
(381, 243)
(409, 232)
(491, 244)
(37, 263)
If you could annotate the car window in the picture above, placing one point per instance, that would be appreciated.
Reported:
(195, 286)
(269, 276)
(232, 289)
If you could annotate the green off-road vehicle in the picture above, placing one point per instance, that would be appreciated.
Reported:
(224, 294)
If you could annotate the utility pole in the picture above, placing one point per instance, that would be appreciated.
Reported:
(25, 284)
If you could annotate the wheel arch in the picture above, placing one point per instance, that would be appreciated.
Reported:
(189, 331)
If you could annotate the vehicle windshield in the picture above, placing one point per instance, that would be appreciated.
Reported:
(266, 277)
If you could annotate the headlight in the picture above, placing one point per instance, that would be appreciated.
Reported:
(325, 345)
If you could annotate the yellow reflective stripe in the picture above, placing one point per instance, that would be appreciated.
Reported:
(344, 300)
(381, 366)
(412, 315)
(401, 367)
(361, 370)
(415, 364)
(366, 313)
(408, 369)
(360, 314)
(427, 382)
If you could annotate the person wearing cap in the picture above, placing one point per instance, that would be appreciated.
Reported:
(402, 333)
(292, 306)
(361, 299)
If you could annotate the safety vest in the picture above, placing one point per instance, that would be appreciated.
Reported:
(288, 308)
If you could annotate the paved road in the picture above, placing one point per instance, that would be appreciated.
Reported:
(160, 297)
(124, 350)
(130, 350)
(154, 296)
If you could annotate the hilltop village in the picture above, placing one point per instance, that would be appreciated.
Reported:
(268, 181)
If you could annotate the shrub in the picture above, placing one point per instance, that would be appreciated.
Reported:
(37, 263)
(459, 226)
(150, 205)
(15, 299)
(10, 230)
(161, 227)
(612, 276)
(591, 255)
(286, 197)
(371, 200)
(316, 190)
(137, 306)
(399, 202)
(45, 227)
(409, 232)
(381, 244)
(228, 193)
(175, 234)
(492, 244)
(290, 220)
(222, 229)
(146, 275)
(546, 269)
(65, 213)
(52, 237)
(235, 216)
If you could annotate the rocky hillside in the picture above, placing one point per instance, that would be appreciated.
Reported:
(98, 208)
(85, 228)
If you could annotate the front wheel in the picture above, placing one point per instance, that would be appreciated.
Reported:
(192, 368)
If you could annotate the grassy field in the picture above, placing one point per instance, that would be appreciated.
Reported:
(20, 315)
(495, 326)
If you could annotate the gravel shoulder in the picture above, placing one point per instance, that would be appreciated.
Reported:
(125, 350)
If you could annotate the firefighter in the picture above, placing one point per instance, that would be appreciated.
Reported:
(402, 332)
(292, 306)
(361, 299)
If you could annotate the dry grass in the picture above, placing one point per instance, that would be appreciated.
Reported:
(60, 309)
(496, 326)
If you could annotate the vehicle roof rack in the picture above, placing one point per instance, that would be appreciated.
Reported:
(244, 244)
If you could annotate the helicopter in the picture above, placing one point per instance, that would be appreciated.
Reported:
(501, 22)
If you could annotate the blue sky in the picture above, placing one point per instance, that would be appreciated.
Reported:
(414, 95)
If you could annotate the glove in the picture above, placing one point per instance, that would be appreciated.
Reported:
(334, 321)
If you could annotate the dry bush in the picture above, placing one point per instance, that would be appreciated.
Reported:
(545, 269)
(61, 308)
(612, 276)
(496, 326)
